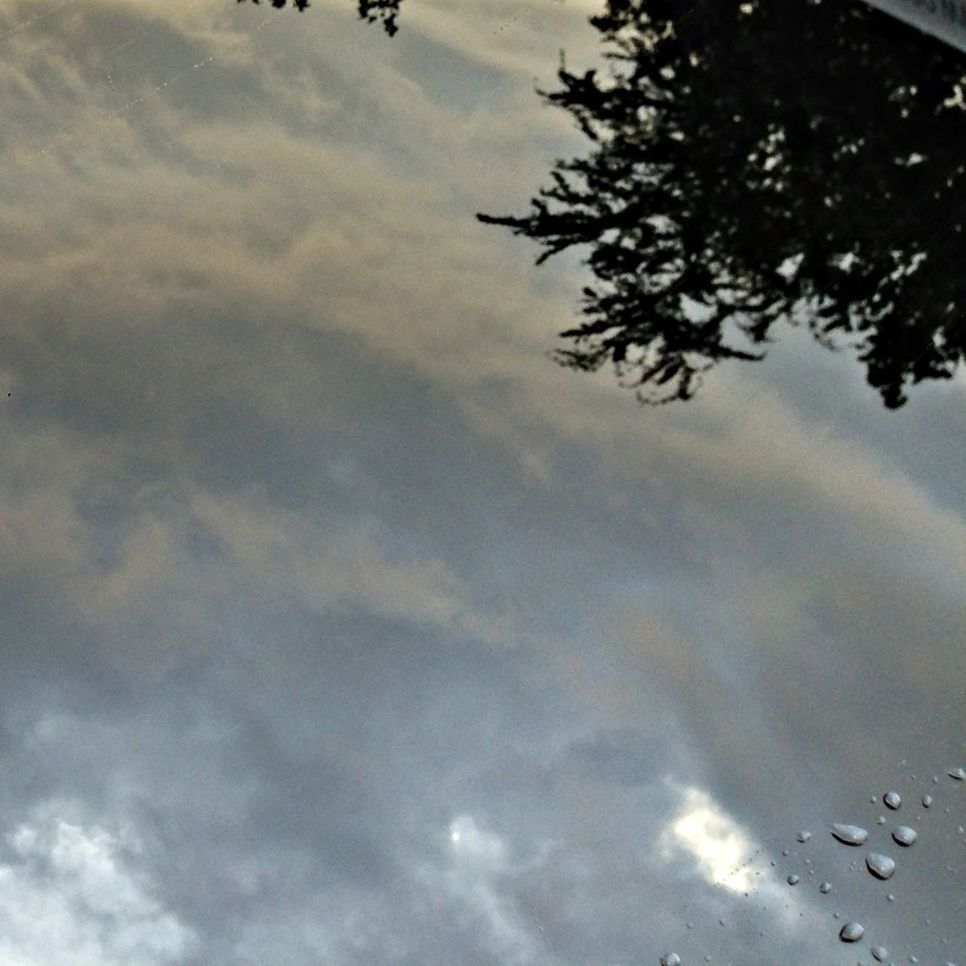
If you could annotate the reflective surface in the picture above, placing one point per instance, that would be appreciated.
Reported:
(340, 625)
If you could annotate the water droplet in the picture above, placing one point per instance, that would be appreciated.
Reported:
(881, 820)
(793, 879)
(905, 835)
(891, 897)
(689, 925)
(892, 800)
(785, 852)
(825, 888)
(927, 801)
(880, 953)
(957, 773)
(670, 959)
(881, 866)
(913, 959)
(804, 836)
(850, 834)
(852, 932)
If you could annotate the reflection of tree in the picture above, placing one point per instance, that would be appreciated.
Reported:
(731, 140)
(371, 10)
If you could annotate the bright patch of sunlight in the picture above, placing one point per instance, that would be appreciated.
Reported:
(471, 841)
(723, 849)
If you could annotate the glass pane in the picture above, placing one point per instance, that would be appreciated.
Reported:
(482, 483)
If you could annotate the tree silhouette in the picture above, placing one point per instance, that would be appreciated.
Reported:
(371, 10)
(751, 160)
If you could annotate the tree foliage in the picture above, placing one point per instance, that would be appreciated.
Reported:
(753, 161)
(372, 10)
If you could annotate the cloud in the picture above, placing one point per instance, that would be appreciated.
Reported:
(716, 842)
(470, 881)
(70, 896)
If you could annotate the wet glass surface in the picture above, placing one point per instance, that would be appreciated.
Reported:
(342, 624)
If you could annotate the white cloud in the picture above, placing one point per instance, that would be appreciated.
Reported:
(720, 847)
(71, 898)
(729, 857)
(469, 883)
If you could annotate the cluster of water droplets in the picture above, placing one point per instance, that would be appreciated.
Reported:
(880, 866)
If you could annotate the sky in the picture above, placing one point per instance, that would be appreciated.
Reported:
(339, 625)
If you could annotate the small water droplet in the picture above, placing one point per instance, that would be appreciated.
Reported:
(793, 879)
(881, 866)
(881, 820)
(913, 959)
(927, 801)
(670, 959)
(905, 835)
(891, 897)
(892, 800)
(825, 888)
(689, 925)
(957, 773)
(804, 836)
(849, 834)
(852, 932)
(880, 953)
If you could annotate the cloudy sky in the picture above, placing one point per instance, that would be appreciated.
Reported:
(339, 625)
